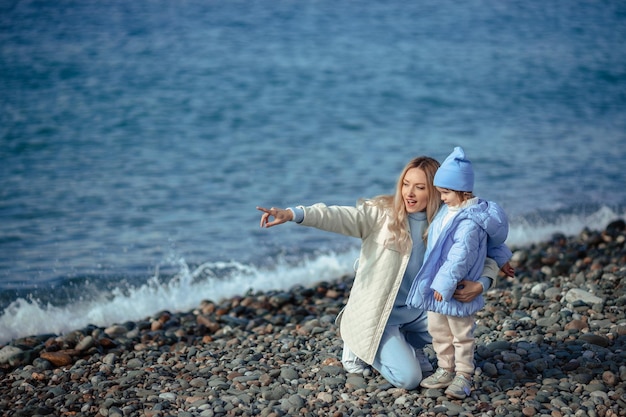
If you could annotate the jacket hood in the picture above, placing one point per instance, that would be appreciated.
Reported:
(491, 218)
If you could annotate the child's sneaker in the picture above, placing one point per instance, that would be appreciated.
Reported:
(425, 364)
(459, 388)
(440, 379)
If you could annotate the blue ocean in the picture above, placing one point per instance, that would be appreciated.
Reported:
(137, 138)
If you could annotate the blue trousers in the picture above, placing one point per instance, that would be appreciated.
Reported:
(395, 359)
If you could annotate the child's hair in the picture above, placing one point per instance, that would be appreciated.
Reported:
(463, 195)
(395, 203)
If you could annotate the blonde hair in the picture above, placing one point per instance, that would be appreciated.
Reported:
(398, 226)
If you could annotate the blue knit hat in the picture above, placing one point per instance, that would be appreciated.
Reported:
(456, 172)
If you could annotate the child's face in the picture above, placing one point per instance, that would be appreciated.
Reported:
(449, 197)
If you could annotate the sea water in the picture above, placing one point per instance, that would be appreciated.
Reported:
(137, 138)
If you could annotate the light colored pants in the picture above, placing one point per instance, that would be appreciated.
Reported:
(453, 341)
(395, 359)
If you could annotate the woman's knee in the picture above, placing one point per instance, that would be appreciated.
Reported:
(403, 378)
(409, 383)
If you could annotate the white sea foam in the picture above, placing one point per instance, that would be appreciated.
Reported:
(523, 232)
(182, 293)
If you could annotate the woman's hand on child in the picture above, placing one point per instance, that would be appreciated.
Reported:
(438, 296)
(466, 291)
(280, 216)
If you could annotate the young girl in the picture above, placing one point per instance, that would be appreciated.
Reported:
(462, 234)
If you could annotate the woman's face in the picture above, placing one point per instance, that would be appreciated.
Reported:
(415, 190)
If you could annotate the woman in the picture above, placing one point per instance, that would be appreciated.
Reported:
(376, 325)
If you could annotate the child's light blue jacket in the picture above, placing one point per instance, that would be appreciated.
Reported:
(458, 253)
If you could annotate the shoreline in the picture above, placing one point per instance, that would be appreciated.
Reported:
(551, 341)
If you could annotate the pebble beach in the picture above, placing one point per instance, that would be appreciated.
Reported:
(550, 342)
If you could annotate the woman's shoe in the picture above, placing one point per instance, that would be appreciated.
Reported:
(351, 363)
